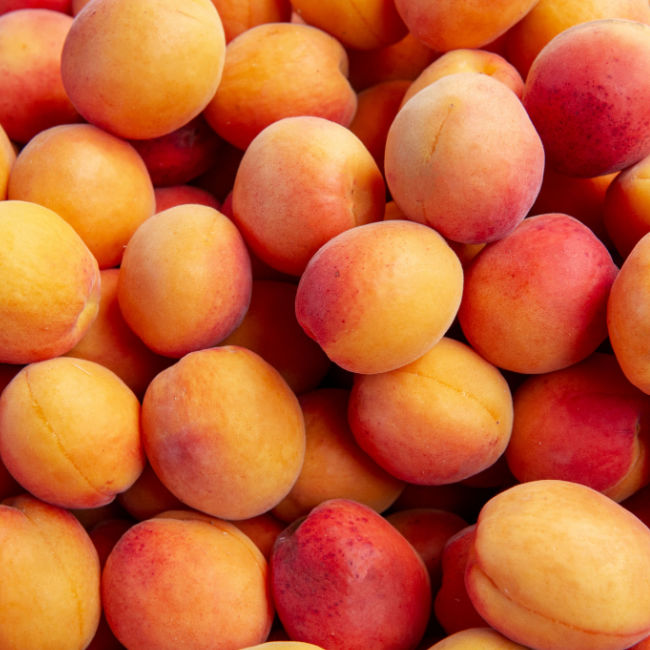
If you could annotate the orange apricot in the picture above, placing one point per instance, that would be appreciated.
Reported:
(239, 15)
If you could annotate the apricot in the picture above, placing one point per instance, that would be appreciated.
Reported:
(334, 465)
(343, 577)
(536, 571)
(378, 296)
(278, 70)
(70, 432)
(585, 423)
(180, 156)
(97, 182)
(428, 530)
(239, 15)
(439, 419)
(628, 315)
(548, 18)
(589, 109)
(473, 198)
(376, 110)
(468, 60)
(50, 577)
(262, 530)
(111, 342)
(173, 195)
(535, 301)
(361, 25)
(449, 25)
(477, 637)
(182, 581)
(270, 329)
(302, 181)
(284, 645)
(49, 284)
(141, 70)
(626, 207)
(400, 61)
(185, 280)
(32, 97)
(234, 457)
(54, 5)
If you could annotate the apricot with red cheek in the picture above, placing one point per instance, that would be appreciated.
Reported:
(343, 577)
(334, 466)
(535, 301)
(174, 582)
(591, 110)
(173, 195)
(450, 24)
(234, 457)
(585, 423)
(440, 419)
(378, 296)
(185, 281)
(473, 198)
(536, 571)
(279, 70)
(302, 181)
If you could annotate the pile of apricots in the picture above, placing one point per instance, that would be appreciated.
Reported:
(324, 324)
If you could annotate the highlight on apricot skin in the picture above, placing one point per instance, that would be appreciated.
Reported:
(49, 284)
(143, 69)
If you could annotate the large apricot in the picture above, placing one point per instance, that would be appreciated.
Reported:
(143, 69)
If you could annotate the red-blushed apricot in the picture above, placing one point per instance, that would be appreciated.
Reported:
(97, 182)
(173, 195)
(233, 457)
(147, 497)
(585, 423)
(177, 581)
(380, 295)
(536, 572)
(50, 577)
(301, 181)
(361, 25)
(270, 329)
(141, 70)
(428, 530)
(49, 284)
(452, 606)
(239, 15)
(262, 530)
(376, 110)
(343, 577)
(284, 645)
(70, 432)
(278, 70)
(628, 315)
(111, 342)
(440, 419)
(402, 60)
(76, 5)
(582, 198)
(548, 18)
(7, 159)
(468, 198)
(32, 97)
(450, 24)
(334, 465)
(535, 301)
(626, 207)
(590, 110)
(178, 157)
(54, 5)
(468, 60)
(484, 638)
(185, 280)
